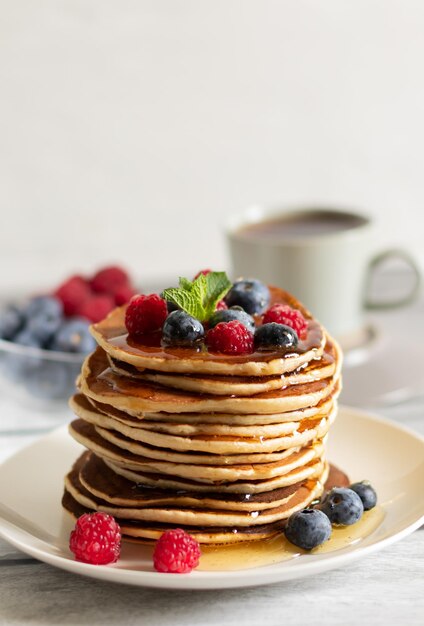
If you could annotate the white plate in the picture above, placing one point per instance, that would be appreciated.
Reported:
(366, 446)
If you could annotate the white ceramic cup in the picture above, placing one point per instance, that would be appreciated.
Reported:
(324, 257)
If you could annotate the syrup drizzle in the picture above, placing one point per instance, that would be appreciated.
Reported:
(277, 549)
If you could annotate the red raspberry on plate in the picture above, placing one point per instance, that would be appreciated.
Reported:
(145, 314)
(230, 338)
(73, 293)
(176, 552)
(109, 280)
(284, 314)
(96, 539)
(96, 307)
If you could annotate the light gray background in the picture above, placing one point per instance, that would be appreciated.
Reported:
(130, 129)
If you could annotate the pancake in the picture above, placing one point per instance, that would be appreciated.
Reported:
(215, 418)
(99, 382)
(146, 532)
(111, 418)
(306, 431)
(295, 434)
(317, 369)
(188, 516)
(297, 466)
(111, 335)
(167, 454)
(163, 481)
(104, 483)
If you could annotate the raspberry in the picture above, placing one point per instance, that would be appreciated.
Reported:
(123, 294)
(284, 314)
(72, 293)
(96, 307)
(96, 539)
(176, 552)
(221, 306)
(230, 338)
(204, 272)
(145, 314)
(109, 280)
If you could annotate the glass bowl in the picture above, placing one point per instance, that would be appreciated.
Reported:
(37, 379)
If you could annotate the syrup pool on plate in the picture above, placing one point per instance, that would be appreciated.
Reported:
(277, 549)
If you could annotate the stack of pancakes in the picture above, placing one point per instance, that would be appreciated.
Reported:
(226, 447)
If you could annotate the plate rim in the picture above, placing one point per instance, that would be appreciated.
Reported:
(202, 580)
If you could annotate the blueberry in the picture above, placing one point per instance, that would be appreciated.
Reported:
(44, 316)
(181, 329)
(26, 338)
(11, 322)
(367, 494)
(308, 528)
(171, 306)
(235, 313)
(273, 335)
(252, 295)
(73, 336)
(45, 305)
(342, 506)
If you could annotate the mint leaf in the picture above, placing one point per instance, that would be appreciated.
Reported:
(197, 288)
(199, 297)
(217, 285)
(185, 300)
(185, 284)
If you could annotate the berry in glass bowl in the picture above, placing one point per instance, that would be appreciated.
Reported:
(41, 352)
(45, 338)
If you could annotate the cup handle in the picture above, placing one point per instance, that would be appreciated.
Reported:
(380, 258)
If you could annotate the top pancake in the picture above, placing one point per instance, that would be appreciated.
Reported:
(148, 353)
(328, 365)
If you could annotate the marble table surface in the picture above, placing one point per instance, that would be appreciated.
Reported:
(383, 588)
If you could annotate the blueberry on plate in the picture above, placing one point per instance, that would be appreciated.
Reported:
(308, 528)
(342, 506)
(11, 322)
(251, 295)
(272, 336)
(228, 315)
(366, 492)
(73, 336)
(181, 329)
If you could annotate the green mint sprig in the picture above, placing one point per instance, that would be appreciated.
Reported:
(200, 296)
